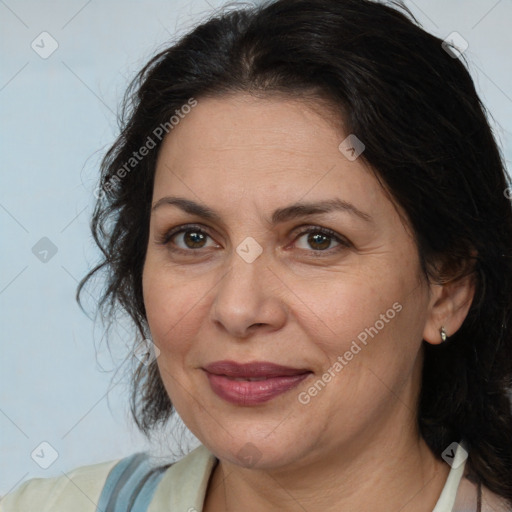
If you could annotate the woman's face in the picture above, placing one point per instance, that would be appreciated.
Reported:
(345, 311)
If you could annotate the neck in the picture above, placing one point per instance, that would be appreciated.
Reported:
(375, 473)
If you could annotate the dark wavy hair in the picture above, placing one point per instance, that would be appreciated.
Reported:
(428, 140)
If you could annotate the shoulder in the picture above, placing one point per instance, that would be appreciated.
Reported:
(467, 498)
(183, 484)
(77, 490)
(491, 502)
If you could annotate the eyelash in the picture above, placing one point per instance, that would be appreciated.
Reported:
(167, 237)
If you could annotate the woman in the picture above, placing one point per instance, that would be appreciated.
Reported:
(306, 213)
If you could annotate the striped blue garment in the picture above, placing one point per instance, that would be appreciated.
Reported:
(130, 485)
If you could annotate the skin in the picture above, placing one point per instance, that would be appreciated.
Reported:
(355, 445)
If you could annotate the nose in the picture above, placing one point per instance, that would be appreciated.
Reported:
(249, 298)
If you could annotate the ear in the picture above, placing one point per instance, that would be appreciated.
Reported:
(448, 307)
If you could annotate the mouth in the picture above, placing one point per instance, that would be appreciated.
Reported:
(252, 383)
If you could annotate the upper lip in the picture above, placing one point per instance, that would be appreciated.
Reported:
(254, 369)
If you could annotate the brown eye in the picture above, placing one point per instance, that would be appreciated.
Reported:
(194, 239)
(186, 239)
(320, 240)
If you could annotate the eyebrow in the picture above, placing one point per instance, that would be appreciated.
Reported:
(280, 215)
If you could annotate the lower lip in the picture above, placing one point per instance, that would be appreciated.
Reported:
(240, 392)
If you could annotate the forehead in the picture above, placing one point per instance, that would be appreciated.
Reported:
(248, 139)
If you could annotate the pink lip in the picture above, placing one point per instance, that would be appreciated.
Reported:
(278, 380)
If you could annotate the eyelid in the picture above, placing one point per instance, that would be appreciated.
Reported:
(167, 235)
(343, 242)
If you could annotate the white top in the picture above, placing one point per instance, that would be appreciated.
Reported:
(183, 488)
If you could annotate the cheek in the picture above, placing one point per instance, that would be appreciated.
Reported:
(176, 305)
(172, 321)
(165, 303)
(373, 320)
(342, 306)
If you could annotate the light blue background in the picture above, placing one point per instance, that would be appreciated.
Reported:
(57, 118)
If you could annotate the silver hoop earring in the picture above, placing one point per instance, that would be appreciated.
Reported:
(443, 334)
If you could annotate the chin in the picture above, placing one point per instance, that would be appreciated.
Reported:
(259, 451)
